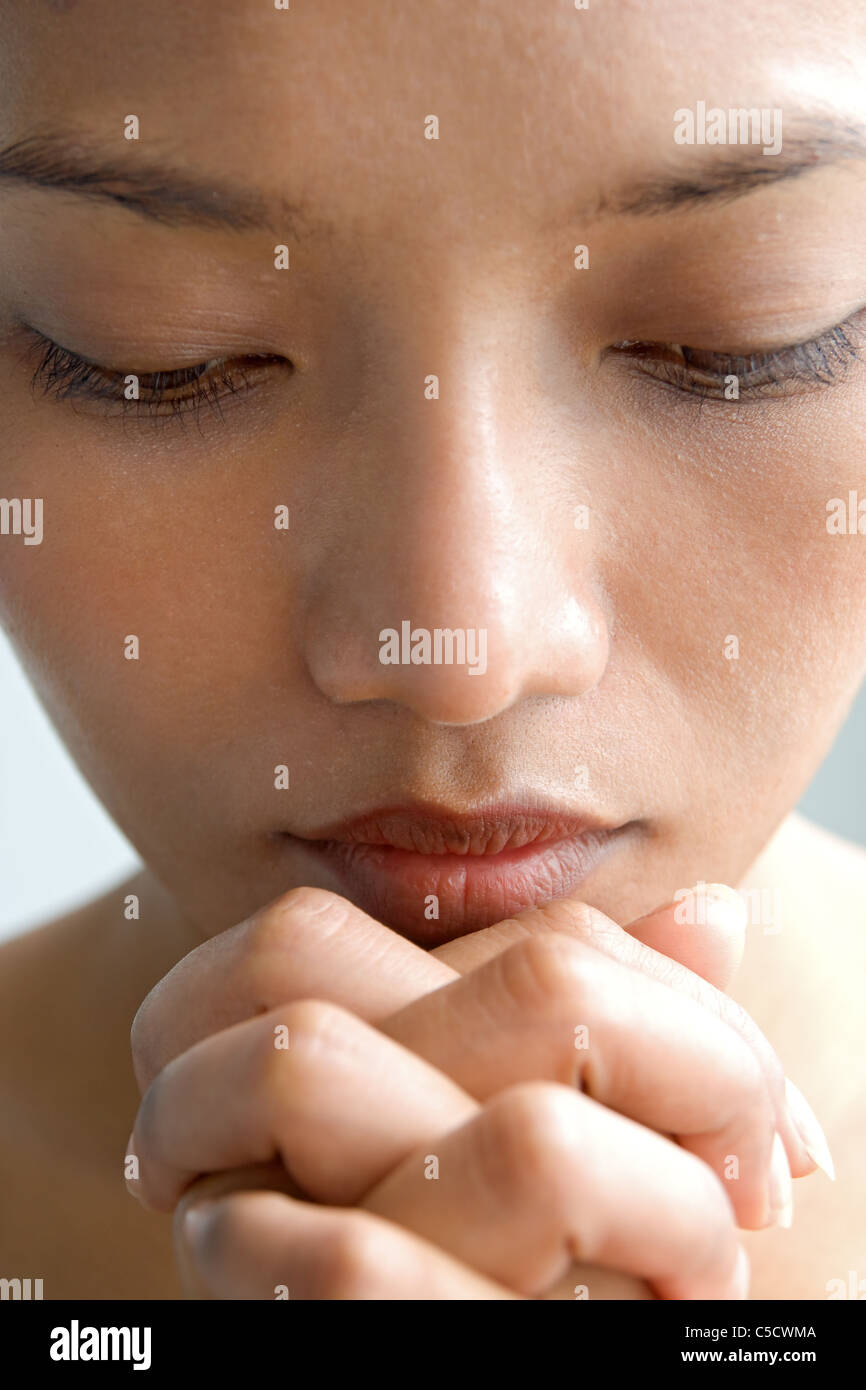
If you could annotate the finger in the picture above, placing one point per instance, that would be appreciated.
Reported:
(265, 1245)
(271, 1177)
(548, 1175)
(552, 1008)
(577, 920)
(307, 944)
(579, 1282)
(333, 1099)
(337, 1159)
(311, 942)
(704, 930)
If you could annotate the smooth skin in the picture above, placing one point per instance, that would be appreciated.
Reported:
(607, 647)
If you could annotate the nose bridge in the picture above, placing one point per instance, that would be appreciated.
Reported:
(458, 491)
(459, 575)
(452, 474)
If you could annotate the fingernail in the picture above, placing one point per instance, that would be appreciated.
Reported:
(781, 1186)
(196, 1221)
(810, 1132)
(721, 906)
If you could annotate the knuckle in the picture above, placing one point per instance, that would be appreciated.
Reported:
(529, 1141)
(573, 919)
(288, 912)
(313, 1027)
(352, 1258)
(580, 916)
(312, 1024)
(277, 928)
(544, 970)
(161, 1024)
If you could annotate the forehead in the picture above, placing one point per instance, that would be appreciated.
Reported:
(539, 107)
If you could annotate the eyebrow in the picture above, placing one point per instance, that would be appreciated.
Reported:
(174, 197)
(729, 172)
(149, 187)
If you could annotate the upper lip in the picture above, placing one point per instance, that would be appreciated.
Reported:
(491, 829)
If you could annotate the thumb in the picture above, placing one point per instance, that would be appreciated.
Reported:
(704, 928)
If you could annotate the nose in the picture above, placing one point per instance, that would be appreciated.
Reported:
(461, 585)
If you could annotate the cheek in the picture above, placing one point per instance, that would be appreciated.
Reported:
(797, 588)
(755, 612)
(193, 569)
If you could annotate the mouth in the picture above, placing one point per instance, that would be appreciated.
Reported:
(433, 876)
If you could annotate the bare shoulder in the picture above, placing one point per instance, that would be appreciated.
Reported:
(56, 960)
(43, 935)
(33, 959)
(52, 987)
(68, 992)
(71, 956)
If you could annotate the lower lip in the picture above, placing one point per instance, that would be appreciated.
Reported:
(400, 888)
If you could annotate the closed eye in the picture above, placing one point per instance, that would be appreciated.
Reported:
(820, 362)
(66, 375)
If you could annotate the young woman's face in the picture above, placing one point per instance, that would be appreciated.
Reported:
(663, 634)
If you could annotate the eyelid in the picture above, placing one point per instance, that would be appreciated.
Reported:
(820, 361)
(66, 374)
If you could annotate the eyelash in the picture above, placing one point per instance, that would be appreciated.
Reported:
(65, 375)
(819, 362)
(760, 375)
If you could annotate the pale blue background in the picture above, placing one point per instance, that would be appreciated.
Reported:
(58, 847)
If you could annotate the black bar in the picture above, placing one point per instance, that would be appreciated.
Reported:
(246, 1339)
